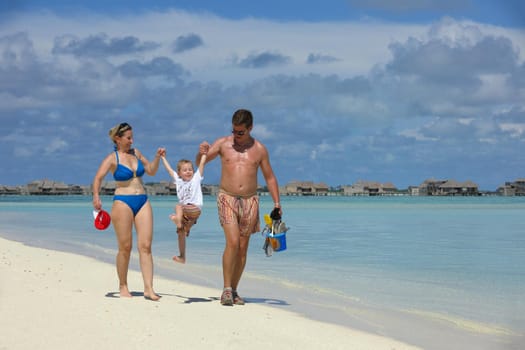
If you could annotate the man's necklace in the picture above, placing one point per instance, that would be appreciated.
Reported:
(243, 148)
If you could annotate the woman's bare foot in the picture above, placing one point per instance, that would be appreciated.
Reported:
(179, 259)
(152, 296)
(124, 292)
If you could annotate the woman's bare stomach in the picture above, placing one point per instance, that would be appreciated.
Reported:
(133, 186)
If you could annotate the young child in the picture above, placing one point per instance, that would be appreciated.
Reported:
(189, 193)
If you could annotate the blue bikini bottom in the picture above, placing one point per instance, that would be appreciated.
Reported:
(134, 201)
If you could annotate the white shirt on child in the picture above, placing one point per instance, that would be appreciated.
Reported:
(189, 192)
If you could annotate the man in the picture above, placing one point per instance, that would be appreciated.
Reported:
(237, 201)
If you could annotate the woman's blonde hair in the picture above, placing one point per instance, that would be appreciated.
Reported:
(118, 130)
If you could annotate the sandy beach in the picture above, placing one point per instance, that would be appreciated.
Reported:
(51, 299)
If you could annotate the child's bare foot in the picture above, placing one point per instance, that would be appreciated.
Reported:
(173, 218)
(176, 221)
(179, 259)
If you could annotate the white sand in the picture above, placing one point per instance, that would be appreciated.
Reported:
(56, 300)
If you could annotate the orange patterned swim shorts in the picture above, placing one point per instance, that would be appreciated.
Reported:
(239, 209)
(190, 214)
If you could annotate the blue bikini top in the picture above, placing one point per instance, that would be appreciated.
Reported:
(123, 173)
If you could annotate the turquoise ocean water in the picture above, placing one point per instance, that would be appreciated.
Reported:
(457, 260)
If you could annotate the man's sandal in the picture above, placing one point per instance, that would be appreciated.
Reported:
(227, 297)
(237, 300)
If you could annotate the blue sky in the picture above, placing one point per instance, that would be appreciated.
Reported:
(341, 91)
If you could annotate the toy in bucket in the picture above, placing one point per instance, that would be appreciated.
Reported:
(275, 233)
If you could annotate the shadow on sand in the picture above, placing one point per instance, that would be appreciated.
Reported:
(191, 300)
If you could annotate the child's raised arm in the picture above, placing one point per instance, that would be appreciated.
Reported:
(201, 164)
(167, 166)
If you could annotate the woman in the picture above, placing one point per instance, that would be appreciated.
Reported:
(130, 205)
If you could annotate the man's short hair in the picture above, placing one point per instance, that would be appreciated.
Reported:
(242, 116)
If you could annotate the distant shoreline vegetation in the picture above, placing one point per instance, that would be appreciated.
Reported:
(429, 187)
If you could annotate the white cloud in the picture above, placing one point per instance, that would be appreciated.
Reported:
(465, 121)
(227, 38)
(371, 104)
(262, 132)
(23, 152)
(416, 135)
(55, 145)
(513, 129)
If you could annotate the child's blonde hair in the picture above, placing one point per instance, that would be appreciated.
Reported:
(182, 162)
